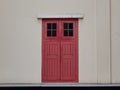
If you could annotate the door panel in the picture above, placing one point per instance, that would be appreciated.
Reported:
(51, 62)
(69, 50)
(68, 67)
(50, 51)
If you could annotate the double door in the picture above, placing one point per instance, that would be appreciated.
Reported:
(59, 50)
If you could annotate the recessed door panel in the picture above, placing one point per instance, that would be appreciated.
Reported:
(68, 66)
(51, 61)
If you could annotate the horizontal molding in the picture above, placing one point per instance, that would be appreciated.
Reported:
(79, 16)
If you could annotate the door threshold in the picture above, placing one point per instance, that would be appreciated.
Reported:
(60, 83)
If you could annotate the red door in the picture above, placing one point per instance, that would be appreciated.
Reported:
(60, 50)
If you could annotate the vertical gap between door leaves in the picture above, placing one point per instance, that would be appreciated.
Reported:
(59, 25)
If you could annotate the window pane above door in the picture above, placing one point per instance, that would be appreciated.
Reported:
(68, 29)
(51, 29)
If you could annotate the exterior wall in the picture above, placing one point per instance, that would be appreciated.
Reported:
(115, 40)
(21, 34)
(20, 38)
(103, 40)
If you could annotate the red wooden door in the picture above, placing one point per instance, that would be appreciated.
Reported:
(60, 50)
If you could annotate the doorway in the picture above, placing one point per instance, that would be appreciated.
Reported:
(59, 50)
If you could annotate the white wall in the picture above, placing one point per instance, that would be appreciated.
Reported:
(87, 42)
(103, 40)
(20, 38)
(115, 40)
(19, 42)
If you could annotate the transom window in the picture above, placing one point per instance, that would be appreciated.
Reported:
(51, 29)
(68, 29)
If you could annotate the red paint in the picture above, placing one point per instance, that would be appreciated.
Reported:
(60, 53)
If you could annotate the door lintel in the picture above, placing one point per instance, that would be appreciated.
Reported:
(79, 16)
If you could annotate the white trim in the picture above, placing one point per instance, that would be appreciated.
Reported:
(80, 16)
(40, 21)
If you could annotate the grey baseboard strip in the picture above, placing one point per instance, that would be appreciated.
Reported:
(54, 85)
